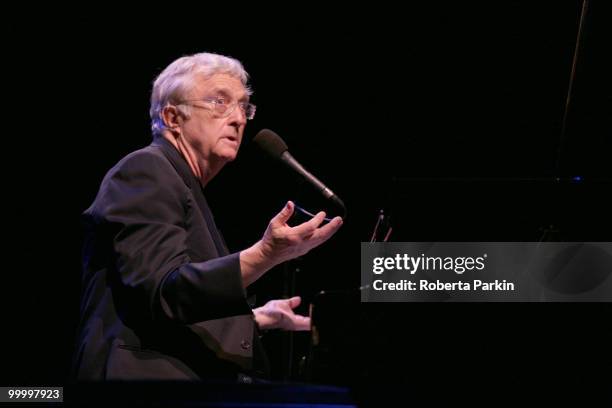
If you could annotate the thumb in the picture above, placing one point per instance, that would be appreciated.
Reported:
(283, 216)
(294, 301)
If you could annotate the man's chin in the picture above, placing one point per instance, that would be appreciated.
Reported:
(228, 156)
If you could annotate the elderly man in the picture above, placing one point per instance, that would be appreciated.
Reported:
(162, 296)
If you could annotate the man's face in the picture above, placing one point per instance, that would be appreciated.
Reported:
(215, 139)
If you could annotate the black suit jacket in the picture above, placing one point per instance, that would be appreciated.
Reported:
(162, 298)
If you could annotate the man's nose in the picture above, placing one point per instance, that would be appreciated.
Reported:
(238, 117)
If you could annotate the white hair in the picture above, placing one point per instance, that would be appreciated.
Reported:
(180, 76)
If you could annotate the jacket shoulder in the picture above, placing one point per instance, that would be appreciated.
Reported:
(145, 173)
(149, 158)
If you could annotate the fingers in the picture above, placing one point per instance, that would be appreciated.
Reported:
(301, 323)
(294, 302)
(296, 322)
(307, 228)
(282, 242)
(283, 216)
(325, 232)
(278, 314)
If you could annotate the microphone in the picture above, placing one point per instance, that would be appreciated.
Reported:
(273, 145)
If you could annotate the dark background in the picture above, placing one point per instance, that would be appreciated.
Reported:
(447, 116)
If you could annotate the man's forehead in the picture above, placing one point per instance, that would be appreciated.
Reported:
(223, 84)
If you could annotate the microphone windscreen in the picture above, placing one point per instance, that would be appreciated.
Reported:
(271, 143)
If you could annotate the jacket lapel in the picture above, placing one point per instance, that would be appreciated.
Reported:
(182, 168)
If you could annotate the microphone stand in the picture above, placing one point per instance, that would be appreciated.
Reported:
(287, 337)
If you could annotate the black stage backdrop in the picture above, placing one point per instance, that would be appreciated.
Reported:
(434, 113)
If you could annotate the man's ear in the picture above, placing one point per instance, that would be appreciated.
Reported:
(170, 115)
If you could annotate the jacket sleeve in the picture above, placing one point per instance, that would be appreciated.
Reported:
(143, 204)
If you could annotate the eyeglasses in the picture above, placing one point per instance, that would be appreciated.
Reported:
(222, 108)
